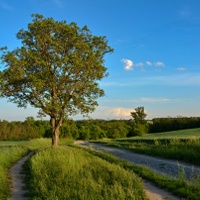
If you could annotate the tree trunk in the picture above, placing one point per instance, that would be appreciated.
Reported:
(55, 138)
(55, 131)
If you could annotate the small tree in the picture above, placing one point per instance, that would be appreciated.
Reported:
(56, 70)
(140, 126)
(139, 114)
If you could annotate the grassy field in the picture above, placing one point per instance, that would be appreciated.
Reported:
(182, 145)
(71, 173)
(180, 134)
(66, 172)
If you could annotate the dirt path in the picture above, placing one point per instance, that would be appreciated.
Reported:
(152, 191)
(18, 191)
(17, 176)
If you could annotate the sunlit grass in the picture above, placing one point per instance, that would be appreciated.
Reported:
(8, 156)
(68, 173)
(180, 186)
(93, 173)
(186, 133)
(10, 153)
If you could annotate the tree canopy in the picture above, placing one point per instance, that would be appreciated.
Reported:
(139, 114)
(140, 125)
(56, 69)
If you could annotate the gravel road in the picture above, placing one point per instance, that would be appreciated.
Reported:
(167, 167)
(162, 166)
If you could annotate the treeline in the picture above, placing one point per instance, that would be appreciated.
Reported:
(26, 130)
(93, 129)
(171, 124)
(81, 129)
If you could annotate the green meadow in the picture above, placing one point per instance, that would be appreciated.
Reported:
(72, 172)
(67, 173)
(180, 134)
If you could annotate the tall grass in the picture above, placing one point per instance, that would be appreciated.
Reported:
(69, 173)
(10, 155)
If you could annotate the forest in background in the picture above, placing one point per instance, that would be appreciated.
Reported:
(93, 129)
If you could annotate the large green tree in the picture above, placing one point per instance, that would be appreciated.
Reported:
(56, 69)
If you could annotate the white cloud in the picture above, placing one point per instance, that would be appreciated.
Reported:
(181, 69)
(121, 112)
(105, 112)
(128, 64)
(148, 63)
(159, 64)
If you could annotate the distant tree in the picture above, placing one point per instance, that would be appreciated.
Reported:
(140, 126)
(117, 129)
(140, 129)
(139, 114)
(95, 131)
(84, 133)
(69, 129)
(56, 69)
(30, 121)
(4, 130)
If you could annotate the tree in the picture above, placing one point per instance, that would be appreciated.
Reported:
(56, 69)
(140, 126)
(139, 114)
(29, 121)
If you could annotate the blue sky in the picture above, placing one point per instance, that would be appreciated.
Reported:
(156, 59)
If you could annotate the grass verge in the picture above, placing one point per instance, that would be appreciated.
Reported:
(179, 187)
